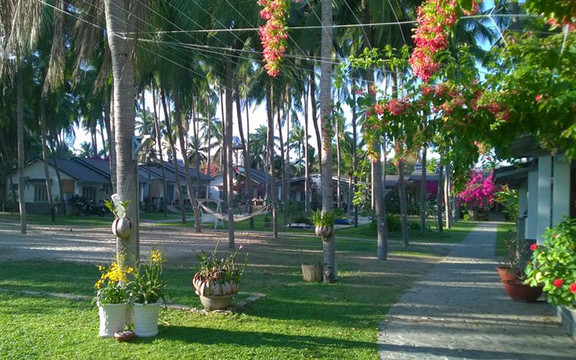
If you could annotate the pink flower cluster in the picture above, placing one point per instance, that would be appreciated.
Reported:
(395, 107)
(435, 18)
(273, 34)
(479, 190)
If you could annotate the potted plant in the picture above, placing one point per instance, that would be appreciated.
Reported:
(324, 223)
(512, 274)
(112, 298)
(324, 227)
(122, 225)
(147, 290)
(512, 266)
(553, 264)
(216, 280)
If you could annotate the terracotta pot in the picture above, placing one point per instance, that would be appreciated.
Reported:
(212, 302)
(505, 273)
(520, 292)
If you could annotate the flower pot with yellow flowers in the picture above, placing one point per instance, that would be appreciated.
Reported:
(148, 289)
(112, 298)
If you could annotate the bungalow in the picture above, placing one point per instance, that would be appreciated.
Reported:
(90, 179)
(259, 179)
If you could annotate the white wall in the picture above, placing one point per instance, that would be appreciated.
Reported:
(34, 173)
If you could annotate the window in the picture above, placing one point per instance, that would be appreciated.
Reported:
(89, 193)
(40, 194)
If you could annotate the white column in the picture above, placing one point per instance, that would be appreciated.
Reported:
(523, 205)
(531, 220)
(561, 189)
(544, 195)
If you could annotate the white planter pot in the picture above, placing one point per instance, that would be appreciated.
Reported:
(146, 319)
(112, 318)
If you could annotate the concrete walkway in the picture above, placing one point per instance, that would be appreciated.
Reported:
(460, 311)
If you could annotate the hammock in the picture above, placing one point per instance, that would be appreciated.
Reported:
(224, 216)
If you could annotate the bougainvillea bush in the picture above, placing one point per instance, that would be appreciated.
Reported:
(554, 264)
(479, 192)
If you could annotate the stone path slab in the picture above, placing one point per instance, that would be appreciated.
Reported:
(459, 310)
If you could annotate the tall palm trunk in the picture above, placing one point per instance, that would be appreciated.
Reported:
(306, 160)
(245, 153)
(21, 154)
(182, 140)
(329, 248)
(109, 121)
(314, 105)
(172, 141)
(423, 193)
(272, 183)
(439, 197)
(160, 152)
(448, 196)
(118, 21)
(228, 147)
(247, 162)
(283, 166)
(43, 130)
(403, 207)
(338, 165)
(354, 155)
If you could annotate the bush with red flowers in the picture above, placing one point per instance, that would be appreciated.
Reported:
(554, 264)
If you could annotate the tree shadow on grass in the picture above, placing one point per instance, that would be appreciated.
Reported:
(209, 336)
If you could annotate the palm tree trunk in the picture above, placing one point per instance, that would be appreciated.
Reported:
(245, 154)
(338, 165)
(118, 22)
(160, 153)
(314, 106)
(306, 164)
(171, 140)
(247, 161)
(228, 147)
(439, 197)
(21, 154)
(183, 142)
(272, 182)
(283, 156)
(43, 131)
(109, 121)
(329, 249)
(423, 193)
(403, 208)
(354, 155)
(448, 196)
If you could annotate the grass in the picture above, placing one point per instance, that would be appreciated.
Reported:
(294, 320)
(504, 232)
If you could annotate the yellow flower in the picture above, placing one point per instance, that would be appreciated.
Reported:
(156, 256)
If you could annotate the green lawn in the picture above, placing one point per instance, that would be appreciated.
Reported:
(504, 232)
(294, 320)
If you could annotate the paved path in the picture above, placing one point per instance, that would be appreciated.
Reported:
(460, 311)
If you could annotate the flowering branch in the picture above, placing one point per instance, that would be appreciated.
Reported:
(273, 35)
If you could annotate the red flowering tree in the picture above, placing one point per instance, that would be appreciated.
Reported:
(273, 33)
(479, 192)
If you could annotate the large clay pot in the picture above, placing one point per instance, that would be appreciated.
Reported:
(146, 319)
(122, 228)
(505, 273)
(112, 318)
(520, 292)
(213, 302)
